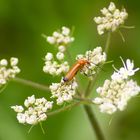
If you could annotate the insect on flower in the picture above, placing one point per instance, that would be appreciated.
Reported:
(76, 67)
(86, 63)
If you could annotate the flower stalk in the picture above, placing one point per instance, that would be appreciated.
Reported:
(64, 108)
(31, 84)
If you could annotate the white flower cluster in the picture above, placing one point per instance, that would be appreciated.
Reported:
(64, 92)
(95, 58)
(116, 92)
(7, 73)
(34, 112)
(54, 67)
(111, 20)
(60, 38)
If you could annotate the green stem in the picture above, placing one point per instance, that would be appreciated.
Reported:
(88, 88)
(120, 33)
(63, 109)
(127, 27)
(94, 122)
(107, 42)
(43, 131)
(84, 100)
(3, 88)
(31, 84)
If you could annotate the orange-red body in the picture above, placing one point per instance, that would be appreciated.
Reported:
(73, 71)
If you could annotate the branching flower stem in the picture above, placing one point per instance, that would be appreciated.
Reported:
(107, 43)
(31, 84)
(79, 100)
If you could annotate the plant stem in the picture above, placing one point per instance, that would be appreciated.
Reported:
(64, 108)
(84, 100)
(120, 33)
(127, 27)
(94, 122)
(96, 75)
(31, 84)
(88, 88)
(3, 88)
(107, 42)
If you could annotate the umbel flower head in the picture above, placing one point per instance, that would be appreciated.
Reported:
(61, 38)
(34, 111)
(63, 91)
(115, 93)
(8, 72)
(95, 58)
(112, 19)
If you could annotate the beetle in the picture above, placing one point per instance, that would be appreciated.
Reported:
(76, 67)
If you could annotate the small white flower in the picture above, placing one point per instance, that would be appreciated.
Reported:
(26, 103)
(98, 20)
(104, 11)
(32, 119)
(54, 86)
(61, 48)
(112, 19)
(56, 34)
(42, 117)
(52, 71)
(60, 56)
(3, 62)
(60, 101)
(14, 61)
(17, 108)
(31, 99)
(51, 40)
(49, 57)
(21, 118)
(65, 31)
(49, 105)
(111, 7)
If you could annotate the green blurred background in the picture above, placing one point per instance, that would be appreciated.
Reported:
(21, 24)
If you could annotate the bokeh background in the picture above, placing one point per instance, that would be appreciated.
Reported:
(21, 24)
